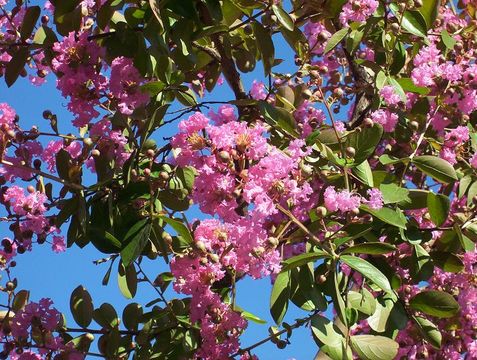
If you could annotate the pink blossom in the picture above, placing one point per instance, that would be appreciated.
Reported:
(357, 10)
(124, 85)
(58, 244)
(389, 95)
(258, 91)
(341, 201)
(375, 201)
(386, 118)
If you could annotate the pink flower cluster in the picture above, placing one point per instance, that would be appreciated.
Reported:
(345, 201)
(358, 10)
(78, 64)
(29, 211)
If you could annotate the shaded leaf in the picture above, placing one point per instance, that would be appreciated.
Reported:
(435, 303)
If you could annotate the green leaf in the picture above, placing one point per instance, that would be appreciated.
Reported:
(397, 88)
(393, 193)
(249, 316)
(131, 316)
(430, 332)
(180, 228)
(417, 200)
(283, 17)
(412, 21)
(16, 64)
(374, 347)
(448, 40)
(29, 21)
(106, 316)
(435, 303)
(371, 248)
(135, 239)
(278, 117)
(464, 184)
(335, 39)
(437, 168)
(265, 46)
(127, 280)
(367, 270)
(328, 337)
(471, 193)
(408, 85)
(389, 160)
(303, 259)
(362, 301)
(429, 11)
(439, 206)
(153, 87)
(44, 36)
(364, 142)
(364, 173)
(20, 300)
(280, 296)
(186, 97)
(389, 216)
(447, 261)
(81, 306)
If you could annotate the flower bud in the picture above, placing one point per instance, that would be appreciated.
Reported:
(350, 152)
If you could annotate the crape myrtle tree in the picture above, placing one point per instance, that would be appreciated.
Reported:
(350, 181)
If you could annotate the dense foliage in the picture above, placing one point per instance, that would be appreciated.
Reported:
(350, 181)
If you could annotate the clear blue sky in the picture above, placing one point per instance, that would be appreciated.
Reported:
(51, 275)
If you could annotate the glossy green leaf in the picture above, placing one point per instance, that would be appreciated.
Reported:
(335, 39)
(389, 216)
(439, 206)
(179, 227)
(408, 85)
(435, 303)
(106, 316)
(437, 168)
(278, 117)
(374, 347)
(329, 337)
(364, 173)
(368, 270)
(303, 259)
(81, 306)
(135, 239)
(280, 296)
(283, 17)
(365, 142)
(429, 11)
(265, 45)
(448, 40)
(362, 301)
(371, 248)
(412, 21)
(127, 280)
(393, 193)
(429, 331)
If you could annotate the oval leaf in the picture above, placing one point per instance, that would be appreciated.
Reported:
(81, 306)
(435, 303)
(374, 347)
(367, 270)
(437, 168)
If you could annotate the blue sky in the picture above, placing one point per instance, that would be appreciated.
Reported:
(51, 275)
